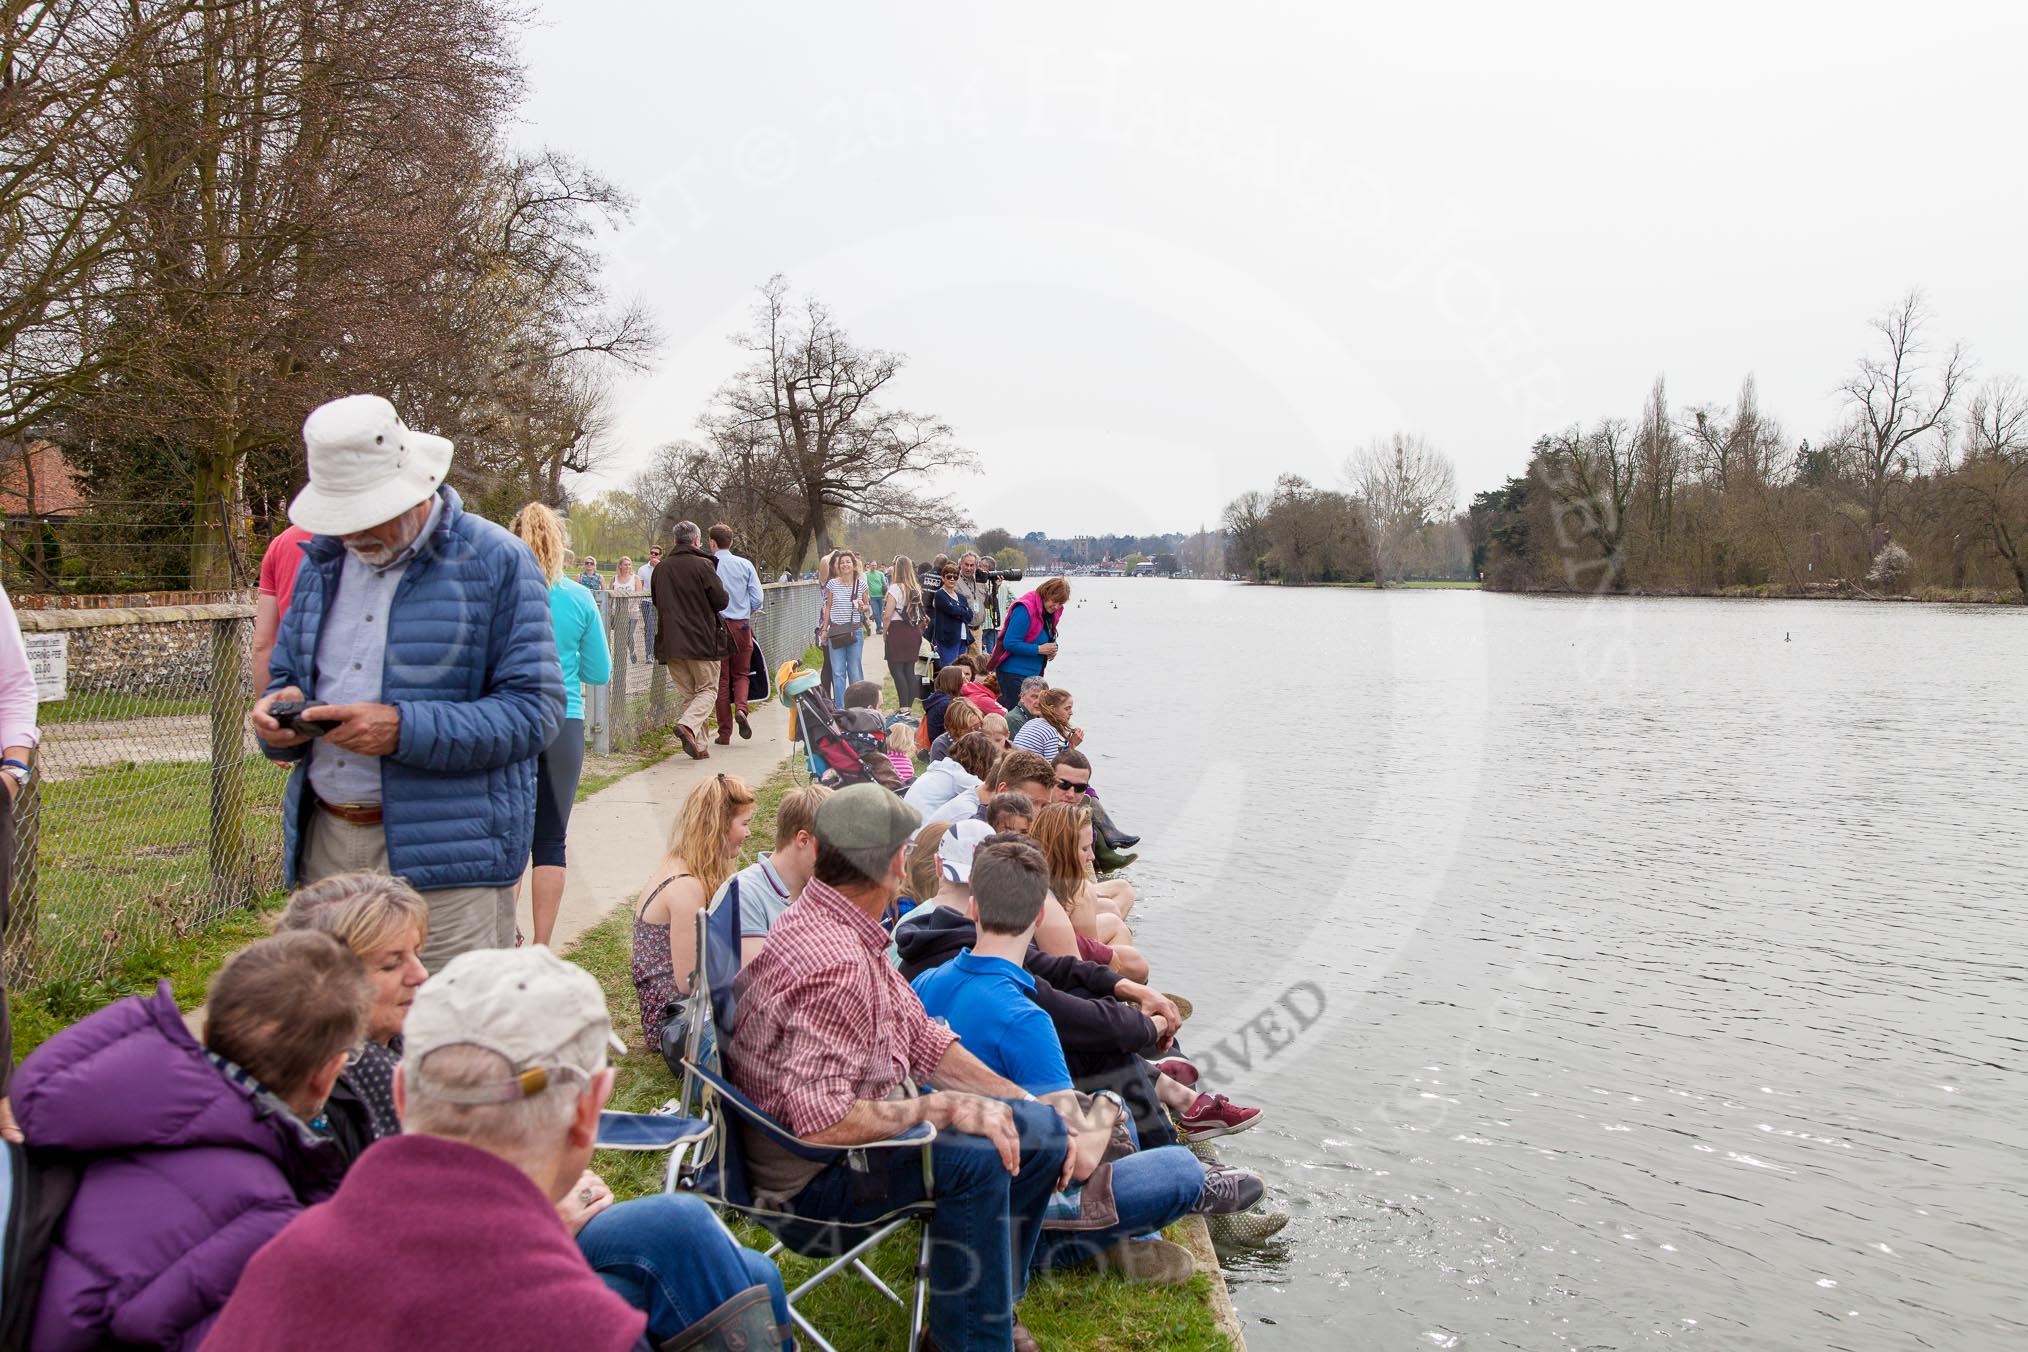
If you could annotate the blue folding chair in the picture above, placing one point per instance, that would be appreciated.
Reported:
(719, 1175)
(682, 1137)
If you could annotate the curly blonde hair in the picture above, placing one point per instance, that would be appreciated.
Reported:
(542, 531)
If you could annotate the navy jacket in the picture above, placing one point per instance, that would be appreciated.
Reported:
(949, 614)
(471, 664)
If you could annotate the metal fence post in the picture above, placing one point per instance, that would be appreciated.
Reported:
(620, 636)
(230, 884)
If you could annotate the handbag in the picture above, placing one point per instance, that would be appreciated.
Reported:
(841, 635)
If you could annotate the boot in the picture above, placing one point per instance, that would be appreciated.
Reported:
(746, 1323)
(1107, 859)
(1112, 835)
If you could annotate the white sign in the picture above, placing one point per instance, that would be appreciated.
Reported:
(49, 659)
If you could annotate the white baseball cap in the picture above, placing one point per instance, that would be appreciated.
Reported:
(955, 851)
(525, 1004)
(366, 466)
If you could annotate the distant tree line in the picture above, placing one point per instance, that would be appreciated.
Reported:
(217, 215)
(1921, 485)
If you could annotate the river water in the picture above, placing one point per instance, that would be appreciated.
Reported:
(1614, 973)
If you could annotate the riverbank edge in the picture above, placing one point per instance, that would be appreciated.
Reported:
(1932, 596)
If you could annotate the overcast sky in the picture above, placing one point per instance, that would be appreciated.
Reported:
(1143, 257)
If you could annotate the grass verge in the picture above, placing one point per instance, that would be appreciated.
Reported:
(1078, 1309)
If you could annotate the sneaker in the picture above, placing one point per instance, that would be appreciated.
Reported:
(1152, 1262)
(1228, 1189)
(1179, 1070)
(1215, 1115)
(745, 728)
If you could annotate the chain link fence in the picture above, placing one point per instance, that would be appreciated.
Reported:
(637, 704)
(152, 811)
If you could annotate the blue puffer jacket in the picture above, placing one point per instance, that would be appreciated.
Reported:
(471, 664)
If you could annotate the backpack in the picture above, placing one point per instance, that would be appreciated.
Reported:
(35, 1191)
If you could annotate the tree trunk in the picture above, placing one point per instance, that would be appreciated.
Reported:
(215, 513)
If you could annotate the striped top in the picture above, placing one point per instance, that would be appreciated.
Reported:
(842, 604)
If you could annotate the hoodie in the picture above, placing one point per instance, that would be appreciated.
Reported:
(942, 781)
(186, 1173)
(1077, 995)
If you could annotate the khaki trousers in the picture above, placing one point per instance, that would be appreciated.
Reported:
(696, 682)
(461, 918)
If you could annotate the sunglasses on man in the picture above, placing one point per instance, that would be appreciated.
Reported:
(1072, 786)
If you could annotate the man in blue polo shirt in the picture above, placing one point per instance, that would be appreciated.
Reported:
(984, 994)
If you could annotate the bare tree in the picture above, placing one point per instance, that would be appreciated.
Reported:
(1995, 472)
(1405, 486)
(1658, 463)
(1897, 398)
(1246, 533)
(1591, 477)
(810, 405)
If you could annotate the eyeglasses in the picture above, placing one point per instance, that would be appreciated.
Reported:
(1073, 786)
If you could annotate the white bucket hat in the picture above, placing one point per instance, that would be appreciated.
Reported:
(366, 467)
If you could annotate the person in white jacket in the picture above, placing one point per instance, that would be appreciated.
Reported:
(971, 760)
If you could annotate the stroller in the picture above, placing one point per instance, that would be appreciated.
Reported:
(839, 754)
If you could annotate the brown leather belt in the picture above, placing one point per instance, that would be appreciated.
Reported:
(358, 814)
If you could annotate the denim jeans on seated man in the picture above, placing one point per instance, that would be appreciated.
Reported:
(979, 1262)
(666, 1255)
(1152, 1190)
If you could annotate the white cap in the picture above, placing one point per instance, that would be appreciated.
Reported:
(366, 466)
(525, 1004)
(954, 852)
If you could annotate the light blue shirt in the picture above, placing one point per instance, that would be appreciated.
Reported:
(351, 661)
(581, 646)
(742, 586)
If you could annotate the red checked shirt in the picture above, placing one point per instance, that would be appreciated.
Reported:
(824, 1021)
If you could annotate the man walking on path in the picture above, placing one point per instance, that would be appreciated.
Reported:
(876, 592)
(744, 601)
(422, 635)
(690, 636)
(283, 556)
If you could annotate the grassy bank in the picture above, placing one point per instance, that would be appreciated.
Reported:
(1069, 1310)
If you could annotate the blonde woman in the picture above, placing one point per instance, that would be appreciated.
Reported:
(384, 922)
(581, 648)
(846, 610)
(703, 846)
(1064, 834)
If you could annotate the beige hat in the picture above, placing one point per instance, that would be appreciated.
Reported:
(366, 466)
(526, 1004)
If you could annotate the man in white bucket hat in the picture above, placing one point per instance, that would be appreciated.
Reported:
(420, 640)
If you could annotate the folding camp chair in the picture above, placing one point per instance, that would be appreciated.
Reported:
(682, 1137)
(719, 1176)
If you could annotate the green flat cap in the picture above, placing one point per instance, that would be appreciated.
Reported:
(866, 817)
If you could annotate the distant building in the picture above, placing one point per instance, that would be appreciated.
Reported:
(37, 483)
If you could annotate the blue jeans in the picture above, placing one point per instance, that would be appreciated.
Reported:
(987, 1223)
(666, 1255)
(845, 669)
(879, 604)
(1152, 1188)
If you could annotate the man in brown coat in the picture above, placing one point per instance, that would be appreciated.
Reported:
(690, 638)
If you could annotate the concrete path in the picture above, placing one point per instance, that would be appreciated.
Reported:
(618, 835)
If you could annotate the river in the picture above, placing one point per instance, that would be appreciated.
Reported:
(1614, 972)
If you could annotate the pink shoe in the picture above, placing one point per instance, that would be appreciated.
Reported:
(1214, 1115)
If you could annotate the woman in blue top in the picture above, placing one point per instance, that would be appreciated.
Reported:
(950, 612)
(581, 648)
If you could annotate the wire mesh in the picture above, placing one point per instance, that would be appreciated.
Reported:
(638, 703)
(152, 811)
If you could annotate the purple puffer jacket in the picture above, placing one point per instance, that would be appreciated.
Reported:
(190, 1174)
